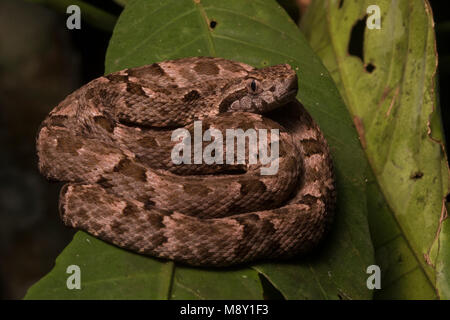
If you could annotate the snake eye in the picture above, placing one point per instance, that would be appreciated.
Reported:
(253, 86)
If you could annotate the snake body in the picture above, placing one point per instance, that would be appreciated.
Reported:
(111, 141)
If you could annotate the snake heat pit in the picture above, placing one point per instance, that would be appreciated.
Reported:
(111, 142)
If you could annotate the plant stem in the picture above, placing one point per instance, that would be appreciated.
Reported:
(94, 16)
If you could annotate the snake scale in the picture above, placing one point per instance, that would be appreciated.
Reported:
(111, 142)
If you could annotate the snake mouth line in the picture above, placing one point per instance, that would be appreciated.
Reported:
(289, 96)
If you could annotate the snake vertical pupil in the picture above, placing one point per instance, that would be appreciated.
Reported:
(253, 85)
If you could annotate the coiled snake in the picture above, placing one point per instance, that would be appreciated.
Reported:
(111, 141)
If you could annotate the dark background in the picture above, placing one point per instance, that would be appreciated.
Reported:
(41, 61)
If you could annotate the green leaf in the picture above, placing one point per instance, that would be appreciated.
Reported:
(259, 33)
(106, 273)
(397, 113)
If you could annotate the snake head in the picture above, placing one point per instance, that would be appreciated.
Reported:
(262, 90)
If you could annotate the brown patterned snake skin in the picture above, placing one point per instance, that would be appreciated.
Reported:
(110, 140)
